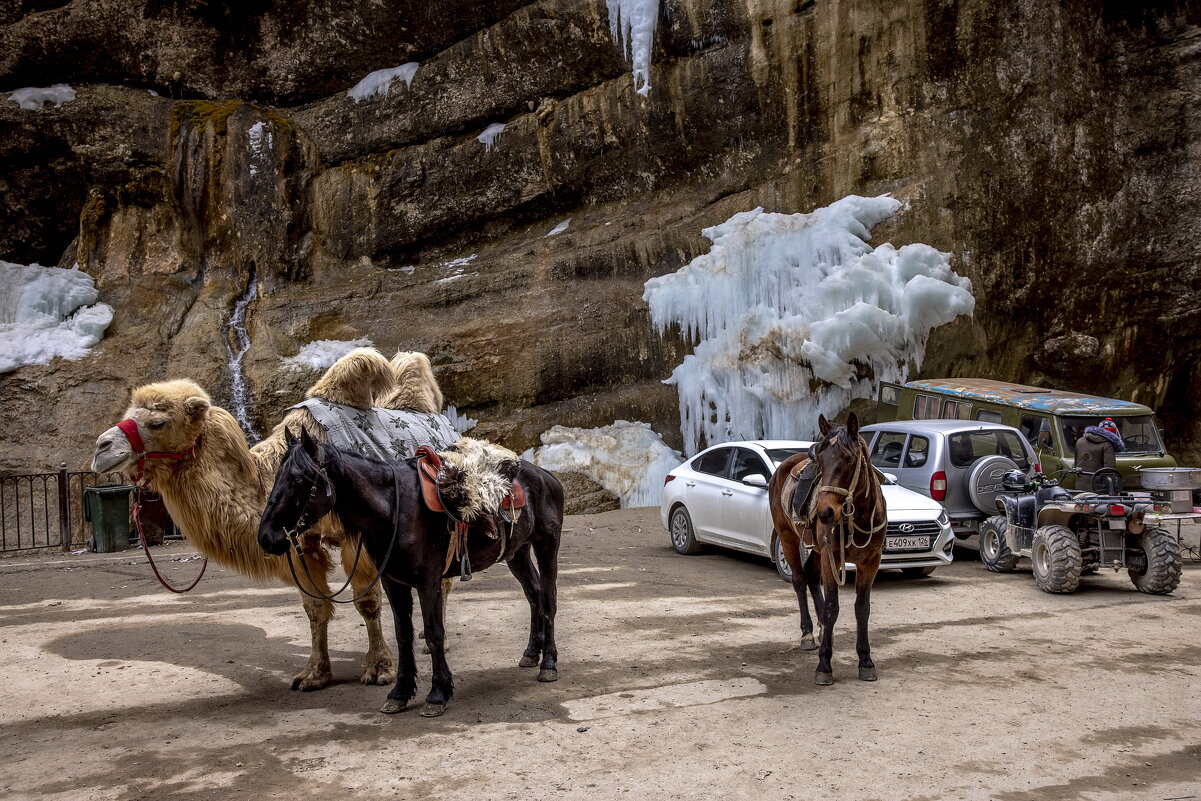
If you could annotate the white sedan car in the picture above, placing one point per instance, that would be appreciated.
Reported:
(719, 497)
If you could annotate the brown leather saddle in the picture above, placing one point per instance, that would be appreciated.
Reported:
(428, 465)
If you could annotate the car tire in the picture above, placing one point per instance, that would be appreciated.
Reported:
(777, 556)
(994, 550)
(683, 540)
(1164, 563)
(984, 481)
(917, 572)
(1056, 557)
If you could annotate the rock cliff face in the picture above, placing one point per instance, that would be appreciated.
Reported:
(1053, 148)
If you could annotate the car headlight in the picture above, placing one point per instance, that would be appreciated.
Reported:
(942, 518)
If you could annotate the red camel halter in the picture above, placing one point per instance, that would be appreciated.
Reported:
(129, 427)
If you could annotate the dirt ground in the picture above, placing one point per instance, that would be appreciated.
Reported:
(679, 679)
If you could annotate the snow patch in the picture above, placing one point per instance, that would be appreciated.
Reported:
(626, 458)
(47, 312)
(490, 135)
(560, 228)
(379, 83)
(32, 99)
(461, 422)
(795, 315)
(632, 23)
(459, 262)
(323, 353)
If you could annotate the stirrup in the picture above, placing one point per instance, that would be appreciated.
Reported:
(464, 567)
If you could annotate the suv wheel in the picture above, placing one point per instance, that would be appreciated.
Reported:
(1055, 554)
(984, 481)
(1164, 563)
(682, 538)
(994, 550)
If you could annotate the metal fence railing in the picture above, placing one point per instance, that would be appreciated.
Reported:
(45, 510)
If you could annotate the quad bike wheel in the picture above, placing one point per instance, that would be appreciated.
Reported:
(1164, 563)
(994, 550)
(1055, 554)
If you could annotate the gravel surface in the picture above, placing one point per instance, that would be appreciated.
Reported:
(679, 679)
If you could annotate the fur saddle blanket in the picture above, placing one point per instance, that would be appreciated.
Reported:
(475, 478)
(386, 435)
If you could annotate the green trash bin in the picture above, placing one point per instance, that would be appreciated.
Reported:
(106, 507)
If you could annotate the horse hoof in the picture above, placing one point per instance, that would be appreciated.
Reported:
(393, 705)
(867, 674)
(528, 661)
(824, 679)
(548, 674)
(432, 710)
(807, 643)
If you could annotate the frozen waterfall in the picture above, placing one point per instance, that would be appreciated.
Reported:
(237, 342)
(795, 315)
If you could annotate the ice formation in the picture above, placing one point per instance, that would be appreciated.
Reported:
(796, 315)
(323, 353)
(560, 228)
(461, 422)
(632, 23)
(261, 142)
(626, 458)
(237, 343)
(490, 134)
(378, 83)
(47, 312)
(32, 99)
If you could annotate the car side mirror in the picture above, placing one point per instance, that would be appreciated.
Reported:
(755, 480)
(892, 479)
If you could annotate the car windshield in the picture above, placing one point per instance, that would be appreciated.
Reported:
(1139, 432)
(778, 455)
(968, 446)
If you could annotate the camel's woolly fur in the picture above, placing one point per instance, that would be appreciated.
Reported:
(486, 477)
(356, 379)
(415, 385)
(215, 497)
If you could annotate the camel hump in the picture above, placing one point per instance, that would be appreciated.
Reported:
(355, 379)
(416, 387)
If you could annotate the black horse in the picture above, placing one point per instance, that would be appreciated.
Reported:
(381, 503)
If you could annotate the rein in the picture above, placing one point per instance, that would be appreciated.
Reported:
(129, 427)
(848, 525)
(301, 526)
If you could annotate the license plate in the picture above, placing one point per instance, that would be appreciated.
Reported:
(906, 543)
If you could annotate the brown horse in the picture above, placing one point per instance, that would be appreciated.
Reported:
(842, 520)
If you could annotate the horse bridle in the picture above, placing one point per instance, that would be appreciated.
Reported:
(848, 506)
(302, 525)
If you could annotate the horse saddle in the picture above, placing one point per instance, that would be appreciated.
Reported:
(428, 465)
(797, 492)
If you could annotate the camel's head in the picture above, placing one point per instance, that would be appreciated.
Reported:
(169, 417)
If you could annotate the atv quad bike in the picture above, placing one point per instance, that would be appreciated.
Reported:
(1067, 535)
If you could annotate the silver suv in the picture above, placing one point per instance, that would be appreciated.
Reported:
(955, 462)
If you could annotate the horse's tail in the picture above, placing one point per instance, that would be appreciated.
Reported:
(355, 379)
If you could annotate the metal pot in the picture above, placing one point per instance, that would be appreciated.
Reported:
(1170, 478)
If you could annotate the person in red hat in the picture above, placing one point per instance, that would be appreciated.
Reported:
(1097, 449)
